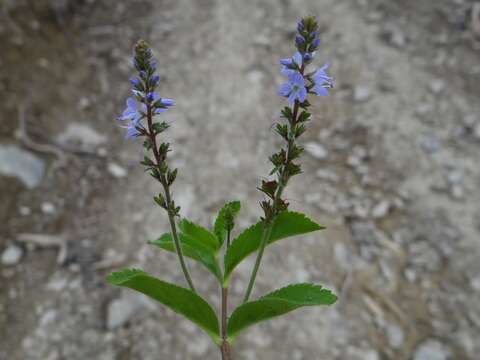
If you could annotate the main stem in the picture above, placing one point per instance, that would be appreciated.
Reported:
(267, 230)
(225, 348)
(168, 198)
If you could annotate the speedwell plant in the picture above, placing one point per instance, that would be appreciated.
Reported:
(217, 249)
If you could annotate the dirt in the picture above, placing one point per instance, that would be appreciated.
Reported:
(397, 189)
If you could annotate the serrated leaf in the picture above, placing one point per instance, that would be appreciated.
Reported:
(193, 249)
(286, 224)
(199, 233)
(178, 299)
(275, 304)
(219, 229)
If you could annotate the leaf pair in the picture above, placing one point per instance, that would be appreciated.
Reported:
(197, 310)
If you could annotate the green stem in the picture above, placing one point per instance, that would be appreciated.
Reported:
(168, 199)
(267, 230)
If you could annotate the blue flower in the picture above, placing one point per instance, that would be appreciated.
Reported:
(315, 42)
(131, 112)
(291, 65)
(299, 40)
(322, 81)
(154, 80)
(294, 89)
(167, 102)
(135, 81)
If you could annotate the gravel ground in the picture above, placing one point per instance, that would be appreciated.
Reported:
(391, 169)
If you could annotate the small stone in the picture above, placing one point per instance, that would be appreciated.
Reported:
(381, 209)
(432, 350)
(327, 175)
(11, 255)
(457, 192)
(455, 177)
(475, 283)
(476, 131)
(24, 210)
(48, 208)
(430, 144)
(394, 36)
(25, 166)
(82, 136)
(316, 150)
(116, 170)
(121, 310)
(437, 86)
(361, 94)
(395, 336)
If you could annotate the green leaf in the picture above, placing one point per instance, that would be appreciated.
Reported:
(178, 299)
(286, 224)
(219, 229)
(193, 249)
(275, 304)
(199, 233)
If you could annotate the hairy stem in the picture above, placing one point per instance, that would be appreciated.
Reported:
(168, 198)
(267, 230)
(225, 347)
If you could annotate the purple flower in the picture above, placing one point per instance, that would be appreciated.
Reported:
(167, 102)
(291, 65)
(294, 89)
(154, 80)
(315, 42)
(322, 81)
(307, 57)
(299, 40)
(132, 131)
(135, 81)
(131, 112)
(152, 96)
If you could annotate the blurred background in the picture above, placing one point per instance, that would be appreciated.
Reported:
(392, 170)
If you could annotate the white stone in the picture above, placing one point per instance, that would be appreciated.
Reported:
(121, 310)
(437, 86)
(381, 209)
(432, 350)
(116, 170)
(316, 150)
(11, 255)
(25, 166)
(48, 208)
(396, 336)
(361, 94)
(81, 135)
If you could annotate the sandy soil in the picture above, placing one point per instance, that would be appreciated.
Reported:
(391, 170)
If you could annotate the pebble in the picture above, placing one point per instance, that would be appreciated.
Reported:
(121, 310)
(48, 208)
(316, 150)
(361, 94)
(430, 144)
(23, 165)
(116, 170)
(436, 86)
(81, 135)
(327, 175)
(381, 209)
(11, 255)
(394, 36)
(432, 350)
(395, 335)
(476, 131)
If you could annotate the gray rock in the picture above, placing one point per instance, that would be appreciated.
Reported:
(48, 208)
(395, 335)
(82, 136)
(394, 36)
(316, 150)
(116, 170)
(436, 86)
(361, 94)
(432, 350)
(11, 255)
(121, 310)
(476, 131)
(430, 144)
(381, 209)
(25, 166)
